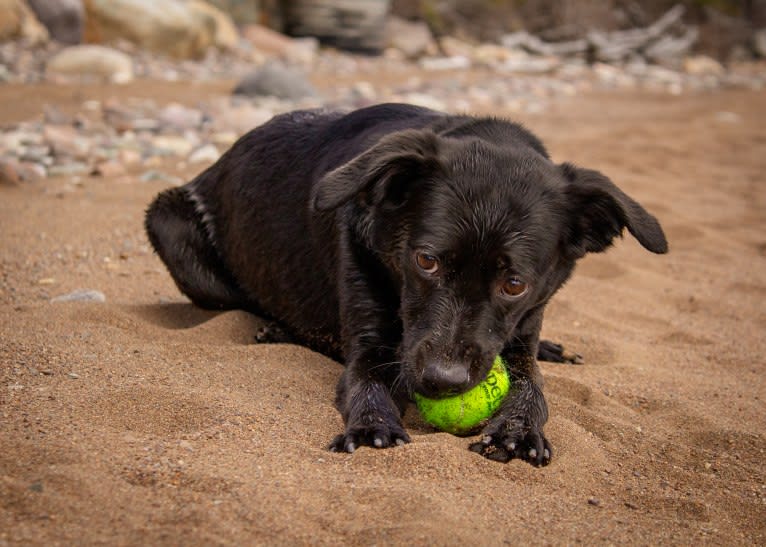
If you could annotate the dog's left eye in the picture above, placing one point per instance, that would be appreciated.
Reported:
(514, 287)
(427, 263)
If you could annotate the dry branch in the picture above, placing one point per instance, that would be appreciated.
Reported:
(666, 37)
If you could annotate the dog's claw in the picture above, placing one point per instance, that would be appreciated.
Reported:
(376, 438)
(526, 444)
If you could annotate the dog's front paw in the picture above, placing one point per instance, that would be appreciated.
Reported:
(502, 440)
(379, 433)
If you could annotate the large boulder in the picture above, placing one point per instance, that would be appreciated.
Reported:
(64, 19)
(242, 12)
(357, 25)
(225, 34)
(171, 27)
(17, 21)
(759, 42)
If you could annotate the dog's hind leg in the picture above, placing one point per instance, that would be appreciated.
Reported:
(556, 353)
(178, 232)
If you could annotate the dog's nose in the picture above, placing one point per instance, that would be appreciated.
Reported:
(443, 379)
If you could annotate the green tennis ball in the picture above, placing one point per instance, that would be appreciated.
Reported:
(465, 413)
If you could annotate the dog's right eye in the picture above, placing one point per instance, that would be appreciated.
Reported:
(426, 262)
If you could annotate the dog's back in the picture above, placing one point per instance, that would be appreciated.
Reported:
(242, 234)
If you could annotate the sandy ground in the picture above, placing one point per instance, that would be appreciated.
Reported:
(144, 420)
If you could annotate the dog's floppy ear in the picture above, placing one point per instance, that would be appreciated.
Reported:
(384, 172)
(598, 212)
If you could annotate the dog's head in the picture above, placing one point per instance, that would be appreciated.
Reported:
(477, 237)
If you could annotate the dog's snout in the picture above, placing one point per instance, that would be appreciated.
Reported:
(441, 379)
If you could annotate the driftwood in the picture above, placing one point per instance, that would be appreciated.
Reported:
(666, 38)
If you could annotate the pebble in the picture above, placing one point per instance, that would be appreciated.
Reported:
(90, 60)
(171, 145)
(65, 141)
(68, 169)
(108, 169)
(81, 295)
(9, 172)
(153, 176)
(727, 117)
(530, 65)
(107, 137)
(205, 154)
(73, 375)
(456, 62)
(178, 117)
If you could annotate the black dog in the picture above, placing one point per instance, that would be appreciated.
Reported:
(411, 244)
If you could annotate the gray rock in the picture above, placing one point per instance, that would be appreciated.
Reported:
(64, 19)
(80, 295)
(278, 81)
(34, 153)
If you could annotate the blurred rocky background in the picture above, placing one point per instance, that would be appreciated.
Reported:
(271, 56)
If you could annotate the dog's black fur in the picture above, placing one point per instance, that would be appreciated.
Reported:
(413, 245)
